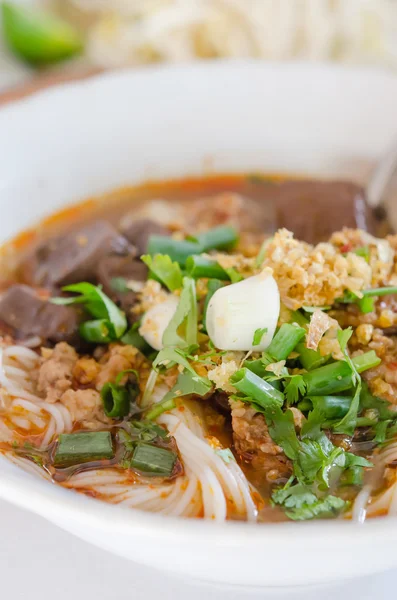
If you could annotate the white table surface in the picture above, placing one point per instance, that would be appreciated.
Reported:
(38, 561)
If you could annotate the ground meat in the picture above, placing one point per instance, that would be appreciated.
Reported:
(253, 442)
(86, 370)
(121, 358)
(56, 372)
(84, 405)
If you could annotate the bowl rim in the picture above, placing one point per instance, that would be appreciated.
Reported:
(56, 503)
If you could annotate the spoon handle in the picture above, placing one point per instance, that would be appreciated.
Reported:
(381, 176)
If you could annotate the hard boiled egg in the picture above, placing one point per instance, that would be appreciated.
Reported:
(235, 312)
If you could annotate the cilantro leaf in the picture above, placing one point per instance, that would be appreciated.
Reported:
(187, 384)
(185, 314)
(301, 504)
(295, 496)
(282, 430)
(294, 389)
(328, 507)
(110, 322)
(168, 272)
(348, 424)
(344, 336)
(258, 335)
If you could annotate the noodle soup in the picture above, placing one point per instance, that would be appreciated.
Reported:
(221, 348)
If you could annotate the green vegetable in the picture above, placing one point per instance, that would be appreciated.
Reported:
(285, 340)
(177, 250)
(110, 323)
(167, 272)
(133, 338)
(257, 366)
(344, 336)
(258, 389)
(234, 275)
(328, 507)
(295, 388)
(332, 407)
(199, 266)
(116, 400)
(310, 359)
(151, 459)
(213, 286)
(312, 309)
(364, 252)
(194, 383)
(185, 314)
(77, 448)
(223, 237)
(337, 376)
(258, 335)
(366, 303)
(159, 408)
(119, 284)
(38, 38)
(282, 430)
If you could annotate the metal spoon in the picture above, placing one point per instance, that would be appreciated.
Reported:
(381, 177)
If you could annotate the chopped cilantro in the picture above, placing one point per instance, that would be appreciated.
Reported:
(168, 272)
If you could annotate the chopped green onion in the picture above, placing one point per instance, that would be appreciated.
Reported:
(199, 266)
(159, 408)
(332, 407)
(96, 331)
(151, 459)
(213, 286)
(310, 359)
(116, 400)
(337, 376)
(177, 250)
(366, 305)
(382, 291)
(285, 340)
(77, 448)
(223, 237)
(257, 366)
(261, 392)
(234, 275)
(299, 318)
(366, 361)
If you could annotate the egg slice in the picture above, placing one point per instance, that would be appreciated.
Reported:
(156, 320)
(235, 312)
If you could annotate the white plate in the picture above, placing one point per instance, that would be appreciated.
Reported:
(85, 138)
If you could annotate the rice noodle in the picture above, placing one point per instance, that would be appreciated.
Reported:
(22, 407)
(366, 504)
(209, 487)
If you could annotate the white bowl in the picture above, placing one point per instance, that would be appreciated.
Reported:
(81, 139)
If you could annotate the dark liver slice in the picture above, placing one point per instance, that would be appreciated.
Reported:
(313, 210)
(126, 267)
(139, 232)
(73, 257)
(24, 313)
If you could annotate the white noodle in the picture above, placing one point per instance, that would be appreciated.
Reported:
(17, 367)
